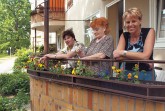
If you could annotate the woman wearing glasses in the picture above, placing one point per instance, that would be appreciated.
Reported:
(101, 47)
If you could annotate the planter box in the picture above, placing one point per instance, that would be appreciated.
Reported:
(147, 90)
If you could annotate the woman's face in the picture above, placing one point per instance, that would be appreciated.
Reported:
(133, 24)
(99, 32)
(69, 41)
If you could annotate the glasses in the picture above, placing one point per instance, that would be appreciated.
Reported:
(95, 29)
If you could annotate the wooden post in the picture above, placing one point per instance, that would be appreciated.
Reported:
(46, 27)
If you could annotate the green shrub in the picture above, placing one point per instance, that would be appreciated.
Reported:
(15, 103)
(14, 91)
(10, 84)
(15, 87)
(41, 49)
(22, 57)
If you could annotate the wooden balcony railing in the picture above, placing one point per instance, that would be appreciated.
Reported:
(149, 90)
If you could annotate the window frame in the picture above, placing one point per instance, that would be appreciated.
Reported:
(69, 4)
(90, 18)
(160, 41)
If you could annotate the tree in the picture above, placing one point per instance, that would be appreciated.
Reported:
(14, 24)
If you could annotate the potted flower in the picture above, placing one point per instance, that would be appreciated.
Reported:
(122, 75)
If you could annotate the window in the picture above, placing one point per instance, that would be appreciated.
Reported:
(69, 4)
(161, 18)
(88, 31)
(160, 23)
(160, 40)
(59, 41)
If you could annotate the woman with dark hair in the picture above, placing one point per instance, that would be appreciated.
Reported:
(69, 51)
(136, 43)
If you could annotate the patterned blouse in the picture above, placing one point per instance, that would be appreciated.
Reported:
(104, 46)
(71, 64)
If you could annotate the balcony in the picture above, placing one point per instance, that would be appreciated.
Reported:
(78, 92)
(56, 16)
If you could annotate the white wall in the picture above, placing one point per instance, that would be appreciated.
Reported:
(33, 3)
(81, 10)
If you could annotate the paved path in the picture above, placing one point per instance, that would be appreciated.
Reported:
(6, 64)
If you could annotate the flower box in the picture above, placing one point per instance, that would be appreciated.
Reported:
(152, 90)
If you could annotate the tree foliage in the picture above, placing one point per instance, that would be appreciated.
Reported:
(14, 24)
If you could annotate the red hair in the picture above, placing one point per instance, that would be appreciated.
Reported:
(100, 22)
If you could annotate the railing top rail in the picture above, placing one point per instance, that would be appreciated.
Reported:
(114, 60)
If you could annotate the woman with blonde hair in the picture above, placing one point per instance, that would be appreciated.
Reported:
(136, 43)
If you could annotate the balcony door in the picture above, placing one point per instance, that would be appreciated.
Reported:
(114, 12)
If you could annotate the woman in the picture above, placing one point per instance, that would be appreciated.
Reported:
(101, 47)
(136, 43)
(69, 51)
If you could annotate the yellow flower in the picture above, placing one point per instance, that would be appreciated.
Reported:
(29, 61)
(118, 70)
(136, 76)
(78, 62)
(136, 65)
(40, 65)
(113, 67)
(129, 76)
(74, 71)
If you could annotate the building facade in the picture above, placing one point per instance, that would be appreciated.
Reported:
(77, 14)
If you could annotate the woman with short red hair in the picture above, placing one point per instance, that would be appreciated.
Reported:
(101, 47)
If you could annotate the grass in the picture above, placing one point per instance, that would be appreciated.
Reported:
(4, 55)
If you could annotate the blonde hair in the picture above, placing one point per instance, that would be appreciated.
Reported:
(100, 22)
(135, 12)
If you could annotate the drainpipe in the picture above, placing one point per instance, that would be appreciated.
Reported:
(35, 41)
(46, 26)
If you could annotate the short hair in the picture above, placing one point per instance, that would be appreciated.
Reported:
(135, 12)
(68, 32)
(100, 22)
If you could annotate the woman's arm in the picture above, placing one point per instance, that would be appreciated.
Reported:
(148, 48)
(61, 55)
(95, 56)
(58, 55)
(104, 51)
(119, 52)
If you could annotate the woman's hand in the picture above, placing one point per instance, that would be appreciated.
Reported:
(80, 51)
(50, 56)
(42, 59)
(118, 53)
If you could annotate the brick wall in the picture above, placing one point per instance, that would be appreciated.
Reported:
(48, 96)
